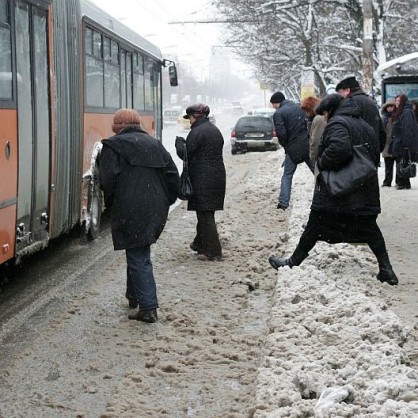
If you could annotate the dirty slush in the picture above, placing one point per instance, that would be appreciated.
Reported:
(233, 339)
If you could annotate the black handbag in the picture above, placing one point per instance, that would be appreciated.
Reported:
(406, 168)
(357, 171)
(186, 188)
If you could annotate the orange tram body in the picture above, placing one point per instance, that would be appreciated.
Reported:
(65, 68)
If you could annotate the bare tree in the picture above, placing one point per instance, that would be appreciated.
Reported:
(280, 37)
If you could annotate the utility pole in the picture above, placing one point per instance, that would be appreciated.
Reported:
(368, 63)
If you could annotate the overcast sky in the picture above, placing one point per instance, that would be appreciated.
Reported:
(192, 43)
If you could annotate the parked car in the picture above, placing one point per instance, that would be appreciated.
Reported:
(237, 108)
(171, 115)
(262, 111)
(253, 132)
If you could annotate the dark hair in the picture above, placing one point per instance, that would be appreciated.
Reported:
(277, 97)
(398, 110)
(329, 104)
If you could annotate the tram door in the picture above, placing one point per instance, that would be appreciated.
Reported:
(33, 123)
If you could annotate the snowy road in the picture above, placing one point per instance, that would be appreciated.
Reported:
(219, 349)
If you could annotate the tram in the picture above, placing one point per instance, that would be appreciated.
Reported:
(65, 67)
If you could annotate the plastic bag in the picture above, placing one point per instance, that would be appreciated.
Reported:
(331, 396)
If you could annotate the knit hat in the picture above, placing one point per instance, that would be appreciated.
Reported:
(277, 97)
(197, 109)
(125, 118)
(329, 103)
(349, 82)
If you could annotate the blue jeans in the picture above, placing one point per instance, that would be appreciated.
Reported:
(140, 277)
(289, 168)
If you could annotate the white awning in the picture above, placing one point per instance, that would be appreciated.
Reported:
(404, 65)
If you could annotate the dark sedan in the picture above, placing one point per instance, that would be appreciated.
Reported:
(254, 133)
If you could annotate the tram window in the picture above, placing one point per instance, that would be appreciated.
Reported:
(5, 61)
(129, 84)
(106, 49)
(114, 53)
(138, 78)
(149, 85)
(123, 77)
(89, 42)
(97, 44)
(4, 15)
(112, 75)
(94, 82)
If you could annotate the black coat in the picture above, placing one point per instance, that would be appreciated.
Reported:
(344, 129)
(140, 181)
(370, 113)
(292, 131)
(204, 146)
(405, 132)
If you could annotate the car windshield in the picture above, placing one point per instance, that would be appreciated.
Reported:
(259, 122)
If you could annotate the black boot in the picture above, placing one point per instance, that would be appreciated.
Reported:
(386, 273)
(294, 260)
(133, 303)
(145, 316)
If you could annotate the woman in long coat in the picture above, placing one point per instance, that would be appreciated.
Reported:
(204, 145)
(352, 217)
(404, 136)
(389, 159)
(140, 181)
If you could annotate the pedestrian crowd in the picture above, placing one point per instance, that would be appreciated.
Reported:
(339, 137)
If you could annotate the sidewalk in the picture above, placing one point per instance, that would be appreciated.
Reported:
(331, 326)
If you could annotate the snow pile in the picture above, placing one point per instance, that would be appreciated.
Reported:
(329, 332)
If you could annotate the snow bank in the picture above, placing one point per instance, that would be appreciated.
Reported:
(330, 331)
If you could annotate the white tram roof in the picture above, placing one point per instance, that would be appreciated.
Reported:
(112, 24)
(404, 65)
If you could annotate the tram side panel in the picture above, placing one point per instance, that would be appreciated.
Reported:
(8, 183)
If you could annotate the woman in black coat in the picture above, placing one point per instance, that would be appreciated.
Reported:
(352, 217)
(140, 181)
(404, 136)
(204, 146)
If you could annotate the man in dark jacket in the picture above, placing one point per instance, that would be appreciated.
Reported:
(292, 132)
(140, 181)
(350, 87)
(204, 146)
(351, 217)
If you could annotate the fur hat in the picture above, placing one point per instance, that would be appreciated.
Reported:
(389, 102)
(196, 110)
(329, 103)
(125, 118)
(277, 97)
(349, 82)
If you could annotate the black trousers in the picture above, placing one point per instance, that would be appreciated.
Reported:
(389, 164)
(335, 228)
(207, 238)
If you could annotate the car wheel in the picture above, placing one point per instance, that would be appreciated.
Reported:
(233, 151)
